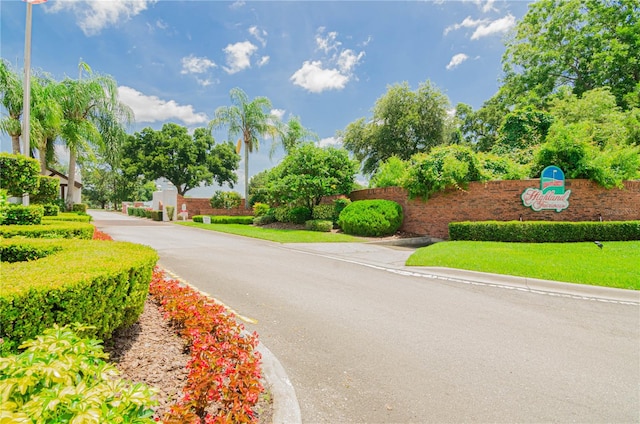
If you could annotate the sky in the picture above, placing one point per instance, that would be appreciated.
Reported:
(326, 62)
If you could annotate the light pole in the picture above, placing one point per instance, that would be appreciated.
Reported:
(26, 99)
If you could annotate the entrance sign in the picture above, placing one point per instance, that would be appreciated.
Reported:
(206, 219)
(551, 195)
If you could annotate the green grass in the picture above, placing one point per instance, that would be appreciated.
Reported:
(616, 265)
(271, 234)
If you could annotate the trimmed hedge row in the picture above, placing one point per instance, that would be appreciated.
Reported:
(544, 231)
(320, 225)
(49, 229)
(23, 215)
(68, 216)
(223, 219)
(87, 281)
(371, 218)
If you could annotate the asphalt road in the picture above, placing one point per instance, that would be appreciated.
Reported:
(362, 344)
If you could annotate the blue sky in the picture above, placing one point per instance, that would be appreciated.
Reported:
(324, 61)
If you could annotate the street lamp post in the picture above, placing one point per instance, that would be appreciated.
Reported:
(26, 102)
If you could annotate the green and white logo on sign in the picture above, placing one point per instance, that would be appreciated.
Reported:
(551, 195)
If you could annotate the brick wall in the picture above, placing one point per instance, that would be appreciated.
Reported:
(500, 201)
(199, 206)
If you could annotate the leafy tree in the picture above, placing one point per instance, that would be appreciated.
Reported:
(444, 167)
(225, 200)
(500, 167)
(291, 135)
(187, 161)
(46, 119)
(258, 187)
(309, 173)
(11, 95)
(86, 105)
(404, 122)
(521, 132)
(480, 128)
(390, 173)
(248, 119)
(583, 44)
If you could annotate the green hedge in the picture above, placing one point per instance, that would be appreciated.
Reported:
(321, 225)
(49, 229)
(51, 209)
(371, 218)
(23, 215)
(68, 216)
(47, 192)
(93, 282)
(79, 208)
(545, 231)
(18, 174)
(224, 219)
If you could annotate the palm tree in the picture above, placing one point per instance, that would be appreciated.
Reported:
(89, 106)
(248, 119)
(291, 135)
(46, 119)
(11, 97)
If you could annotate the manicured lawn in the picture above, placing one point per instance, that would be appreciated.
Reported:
(280, 236)
(616, 265)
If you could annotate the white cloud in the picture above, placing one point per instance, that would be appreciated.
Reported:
(494, 27)
(327, 43)
(263, 61)
(330, 141)
(153, 109)
(466, 23)
(162, 24)
(313, 77)
(259, 34)
(457, 60)
(236, 4)
(93, 16)
(239, 56)
(333, 71)
(196, 65)
(484, 27)
(347, 60)
(279, 113)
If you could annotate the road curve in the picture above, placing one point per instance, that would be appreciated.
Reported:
(362, 344)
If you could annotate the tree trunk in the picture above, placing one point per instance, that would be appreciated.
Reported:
(15, 144)
(246, 176)
(72, 178)
(42, 153)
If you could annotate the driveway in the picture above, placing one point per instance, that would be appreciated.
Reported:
(365, 339)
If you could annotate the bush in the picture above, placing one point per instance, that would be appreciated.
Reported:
(260, 209)
(47, 191)
(80, 208)
(68, 216)
(299, 214)
(170, 211)
(51, 209)
(264, 220)
(225, 200)
(23, 215)
(223, 219)
(371, 218)
(76, 383)
(281, 213)
(18, 174)
(325, 212)
(49, 229)
(156, 215)
(88, 281)
(321, 225)
(544, 231)
(340, 204)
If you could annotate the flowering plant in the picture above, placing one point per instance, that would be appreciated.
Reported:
(224, 369)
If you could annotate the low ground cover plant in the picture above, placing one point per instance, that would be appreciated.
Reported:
(61, 377)
(223, 384)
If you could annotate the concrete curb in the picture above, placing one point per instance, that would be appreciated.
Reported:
(286, 409)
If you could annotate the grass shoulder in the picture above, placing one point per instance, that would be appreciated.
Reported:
(276, 235)
(615, 265)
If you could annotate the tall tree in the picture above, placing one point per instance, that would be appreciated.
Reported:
(86, 103)
(46, 117)
(583, 44)
(404, 122)
(249, 119)
(11, 95)
(291, 135)
(309, 173)
(187, 161)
